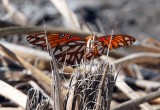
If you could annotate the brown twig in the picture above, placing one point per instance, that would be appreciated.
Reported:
(130, 92)
(13, 94)
(30, 30)
(4, 24)
(37, 100)
(145, 48)
(135, 102)
(101, 87)
(11, 108)
(91, 90)
(30, 54)
(144, 57)
(148, 85)
(42, 79)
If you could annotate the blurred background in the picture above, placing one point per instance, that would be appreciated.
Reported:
(138, 18)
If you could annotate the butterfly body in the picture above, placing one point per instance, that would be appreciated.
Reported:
(93, 47)
(71, 48)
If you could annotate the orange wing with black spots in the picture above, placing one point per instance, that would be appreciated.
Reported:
(117, 41)
(99, 46)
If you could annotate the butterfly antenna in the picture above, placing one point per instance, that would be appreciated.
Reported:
(88, 27)
(109, 44)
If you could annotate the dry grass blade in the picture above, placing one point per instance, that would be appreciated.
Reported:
(30, 54)
(101, 87)
(37, 87)
(31, 30)
(42, 79)
(91, 90)
(132, 103)
(131, 93)
(6, 24)
(11, 108)
(56, 87)
(26, 52)
(56, 94)
(15, 96)
(148, 85)
(6, 61)
(37, 100)
(145, 48)
(69, 16)
(71, 95)
(144, 57)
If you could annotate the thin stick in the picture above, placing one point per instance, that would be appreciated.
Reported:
(131, 93)
(13, 94)
(135, 102)
(101, 87)
(55, 83)
(109, 45)
(145, 57)
(88, 27)
(41, 78)
(30, 30)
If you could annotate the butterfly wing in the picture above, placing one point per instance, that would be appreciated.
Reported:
(65, 47)
(117, 41)
(37, 39)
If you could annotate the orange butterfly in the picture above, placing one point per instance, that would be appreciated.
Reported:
(71, 48)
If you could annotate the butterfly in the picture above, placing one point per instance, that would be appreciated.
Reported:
(72, 49)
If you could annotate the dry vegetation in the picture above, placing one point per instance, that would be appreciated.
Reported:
(30, 78)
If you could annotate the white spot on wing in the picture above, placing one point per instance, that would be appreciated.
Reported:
(30, 39)
(74, 49)
(67, 57)
(121, 44)
(128, 42)
(82, 48)
(60, 59)
(41, 35)
(80, 42)
(57, 52)
(72, 43)
(79, 56)
(89, 55)
(40, 42)
(65, 48)
(126, 38)
(72, 58)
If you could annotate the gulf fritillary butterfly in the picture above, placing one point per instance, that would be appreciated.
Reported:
(71, 48)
